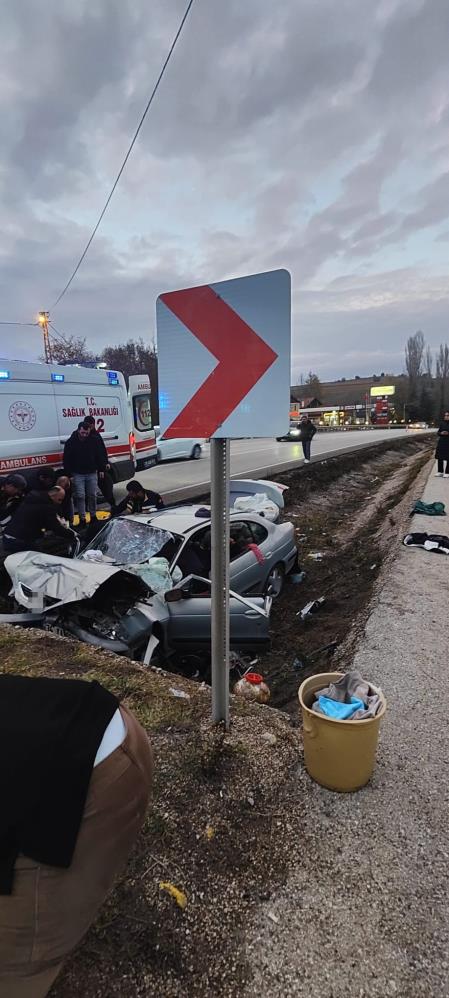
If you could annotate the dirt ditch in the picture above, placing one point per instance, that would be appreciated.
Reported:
(348, 511)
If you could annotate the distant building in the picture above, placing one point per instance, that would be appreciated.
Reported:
(350, 398)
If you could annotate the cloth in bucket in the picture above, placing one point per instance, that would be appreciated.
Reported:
(350, 699)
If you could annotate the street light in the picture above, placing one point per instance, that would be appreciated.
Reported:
(43, 319)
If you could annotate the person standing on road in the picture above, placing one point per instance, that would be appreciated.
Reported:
(442, 451)
(307, 433)
(106, 483)
(85, 464)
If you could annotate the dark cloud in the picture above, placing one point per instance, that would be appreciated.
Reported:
(278, 137)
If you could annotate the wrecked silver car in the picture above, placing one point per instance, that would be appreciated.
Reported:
(133, 610)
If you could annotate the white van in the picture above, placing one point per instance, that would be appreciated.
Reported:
(42, 404)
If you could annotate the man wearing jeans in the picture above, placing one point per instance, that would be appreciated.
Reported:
(84, 463)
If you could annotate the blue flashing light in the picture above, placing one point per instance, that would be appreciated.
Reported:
(58, 377)
(113, 378)
(164, 400)
(4, 375)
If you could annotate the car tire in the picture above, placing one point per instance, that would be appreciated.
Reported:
(196, 453)
(275, 580)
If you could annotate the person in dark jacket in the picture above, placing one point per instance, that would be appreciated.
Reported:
(12, 491)
(442, 451)
(307, 433)
(38, 513)
(73, 799)
(67, 508)
(106, 483)
(138, 499)
(84, 463)
(41, 480)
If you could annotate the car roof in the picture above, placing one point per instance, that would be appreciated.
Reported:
(182, 519)
(179, 520)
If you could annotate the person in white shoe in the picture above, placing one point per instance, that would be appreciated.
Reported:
(442, 451)
(307, 432)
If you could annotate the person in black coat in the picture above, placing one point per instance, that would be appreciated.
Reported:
(307, 432)
(106, 483)
(41, 480)
(442, 451)
(38, 514)
(138, 500)
(84, 463)
(12, 491)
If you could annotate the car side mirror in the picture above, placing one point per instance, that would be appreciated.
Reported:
(174, 595)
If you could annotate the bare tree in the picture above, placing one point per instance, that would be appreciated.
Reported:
(442, 376)
(314, 382)
(429, 362)
(414, 353)
(70, 350)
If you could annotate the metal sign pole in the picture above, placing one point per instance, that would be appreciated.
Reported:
(219, 454)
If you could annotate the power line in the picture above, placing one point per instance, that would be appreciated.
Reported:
(19, 323)
(153, 94)
(61, 336)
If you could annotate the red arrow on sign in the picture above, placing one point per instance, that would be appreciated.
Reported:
(243, 357)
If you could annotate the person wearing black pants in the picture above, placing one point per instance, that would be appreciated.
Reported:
(442, 451)
(308, 431)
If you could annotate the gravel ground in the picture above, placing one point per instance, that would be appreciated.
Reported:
(365, 910)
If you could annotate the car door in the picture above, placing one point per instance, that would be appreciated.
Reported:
(189, 626)
(246, 572)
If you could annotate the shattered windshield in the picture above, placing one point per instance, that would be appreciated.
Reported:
(126, 542)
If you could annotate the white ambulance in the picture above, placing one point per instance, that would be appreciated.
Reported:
(42, 404)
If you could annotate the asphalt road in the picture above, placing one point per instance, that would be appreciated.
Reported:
(252, 458)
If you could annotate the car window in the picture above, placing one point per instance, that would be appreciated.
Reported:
(127, 542)
(259, 532)
(142, 412)
(195, 557)
(240, 537)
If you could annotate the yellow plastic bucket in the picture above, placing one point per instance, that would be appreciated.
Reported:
(340, 755)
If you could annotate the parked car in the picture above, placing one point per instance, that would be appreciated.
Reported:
(293, 433)
(171, 450)
(417, 426)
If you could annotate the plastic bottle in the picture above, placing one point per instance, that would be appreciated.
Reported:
(252, 687)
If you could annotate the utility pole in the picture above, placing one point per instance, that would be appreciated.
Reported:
(43, 320)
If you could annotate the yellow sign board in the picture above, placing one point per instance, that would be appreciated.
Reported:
(380, 390)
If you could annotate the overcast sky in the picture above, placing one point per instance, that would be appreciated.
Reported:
(307, 134)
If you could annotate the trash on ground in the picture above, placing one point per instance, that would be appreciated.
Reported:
(352, 698)
(372, 567)
(273, 917)
(252, 687)
(297, 577)
(179, 896)
(304, 661)
(316, 555)
(428, 508)
(181, 694)
(430, 542)
(210, 832)
(310, 608)
(269, 738)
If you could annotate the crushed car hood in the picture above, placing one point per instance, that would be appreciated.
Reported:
(61, 579)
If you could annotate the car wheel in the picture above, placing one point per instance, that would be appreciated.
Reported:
(196, 453)
(275, 580)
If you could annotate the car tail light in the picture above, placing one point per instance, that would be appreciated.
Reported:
(132, 446)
